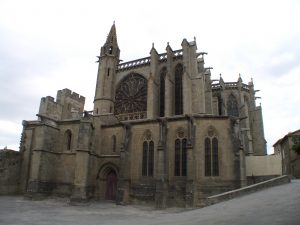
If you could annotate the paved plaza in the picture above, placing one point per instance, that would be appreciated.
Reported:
(275, 206)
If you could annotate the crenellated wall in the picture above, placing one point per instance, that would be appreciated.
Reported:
(68, 105)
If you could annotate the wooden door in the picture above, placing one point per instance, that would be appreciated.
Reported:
(111, 186)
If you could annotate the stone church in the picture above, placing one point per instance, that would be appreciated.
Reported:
(162, 132)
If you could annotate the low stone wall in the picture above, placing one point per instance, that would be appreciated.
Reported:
(265, 165)
(10, 162)
(247, 190)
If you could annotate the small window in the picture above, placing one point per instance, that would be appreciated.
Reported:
(114, 143)
(108, 71)
(67, 140)
(110, 51)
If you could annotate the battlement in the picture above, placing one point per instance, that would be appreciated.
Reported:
(68, 93)
(68, 105)
(48, 98)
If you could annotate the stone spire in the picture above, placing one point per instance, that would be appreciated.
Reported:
(111, 45)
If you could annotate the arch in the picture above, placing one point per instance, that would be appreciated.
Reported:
(68, 139)
(107, 180)
(131, 94)
(105, 169)
(162, 78)
(178, 89)
(232, 106)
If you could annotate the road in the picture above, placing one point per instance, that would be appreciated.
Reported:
(275, 206)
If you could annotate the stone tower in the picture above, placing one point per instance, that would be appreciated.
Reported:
(108, 61)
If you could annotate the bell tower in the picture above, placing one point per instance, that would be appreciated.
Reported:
(108, 62)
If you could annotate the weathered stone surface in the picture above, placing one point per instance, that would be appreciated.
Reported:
(175, 138)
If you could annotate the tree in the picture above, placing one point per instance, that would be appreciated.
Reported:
(296, 146)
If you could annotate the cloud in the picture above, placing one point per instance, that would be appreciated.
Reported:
(50, 45)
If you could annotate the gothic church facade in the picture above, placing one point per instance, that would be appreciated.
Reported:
(161, 132)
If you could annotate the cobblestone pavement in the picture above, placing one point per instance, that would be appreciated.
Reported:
(275, 206)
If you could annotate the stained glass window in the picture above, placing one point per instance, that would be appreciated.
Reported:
(207, 147)
(148, 158)
(232, 106)
(215, 157)
(131, 94)
(180, 168)
(211, 156)
(177, 157)
(162, 92)
(178, 90)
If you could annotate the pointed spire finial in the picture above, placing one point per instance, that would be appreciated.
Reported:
(152, 44)
(240, 78)
(114, 22)
(111, 45)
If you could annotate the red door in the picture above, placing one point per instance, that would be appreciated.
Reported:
(111, 186)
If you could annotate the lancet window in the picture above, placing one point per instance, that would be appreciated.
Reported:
(232, 106)
(148, 155)
(178, 90)
(163, 73)
(211, 150)
(180, 168)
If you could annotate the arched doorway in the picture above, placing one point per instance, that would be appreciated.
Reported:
(111, 185)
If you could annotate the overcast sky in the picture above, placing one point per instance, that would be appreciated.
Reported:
(49, 45)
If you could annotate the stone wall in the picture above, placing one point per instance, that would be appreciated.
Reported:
(10, 162)
(263, 165)
(247, 190)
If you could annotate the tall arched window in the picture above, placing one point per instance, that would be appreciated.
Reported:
(67, 140)
(232, 106)
(207, 147)
(220, 105)
(114, 140)
(148, 158)
(211, 156)
(180, 167)
(177, 157)
(215, 157)
(178, 90)
(163, 73)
